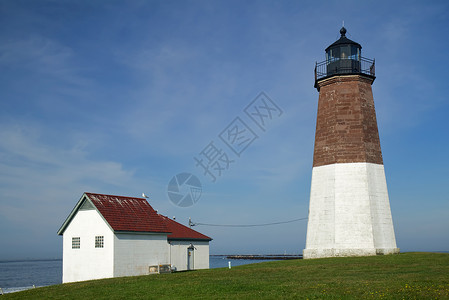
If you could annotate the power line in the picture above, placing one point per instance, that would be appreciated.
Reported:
(246, 225)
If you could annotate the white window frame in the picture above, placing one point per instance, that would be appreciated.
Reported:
(99, 241)
(76, 242)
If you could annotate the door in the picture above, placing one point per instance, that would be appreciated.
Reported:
(190, 265)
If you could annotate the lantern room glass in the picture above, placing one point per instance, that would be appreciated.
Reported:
(343, 59)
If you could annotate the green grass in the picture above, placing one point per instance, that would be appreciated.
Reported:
(403, 276)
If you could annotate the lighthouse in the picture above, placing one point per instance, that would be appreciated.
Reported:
(349, 210)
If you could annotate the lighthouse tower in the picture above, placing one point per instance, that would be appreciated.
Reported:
(349, 211)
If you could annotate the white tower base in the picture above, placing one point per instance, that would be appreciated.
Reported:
(349, 213)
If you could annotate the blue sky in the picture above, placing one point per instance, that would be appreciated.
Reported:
(118, 97)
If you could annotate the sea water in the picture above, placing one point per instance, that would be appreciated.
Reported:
(24, 274)
(21, 275)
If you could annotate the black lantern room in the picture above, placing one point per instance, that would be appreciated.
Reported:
(344, 57)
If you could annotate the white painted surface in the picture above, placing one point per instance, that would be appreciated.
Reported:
(87, 262)
(134, 253)
(179, 254)
(349, 212)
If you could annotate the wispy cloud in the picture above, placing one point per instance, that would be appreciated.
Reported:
(40, 55)
(36, 173)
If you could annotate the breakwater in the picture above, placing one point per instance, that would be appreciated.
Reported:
(262, 256)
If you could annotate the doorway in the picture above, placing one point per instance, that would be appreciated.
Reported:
(190, 258)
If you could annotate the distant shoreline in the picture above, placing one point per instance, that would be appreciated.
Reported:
(283, 256)
(259, 256)
(30, 259)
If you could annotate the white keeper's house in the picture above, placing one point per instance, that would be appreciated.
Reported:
(112, 236)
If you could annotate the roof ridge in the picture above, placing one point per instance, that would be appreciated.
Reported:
(109, 195)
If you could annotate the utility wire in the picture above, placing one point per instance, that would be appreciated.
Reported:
(246, 225)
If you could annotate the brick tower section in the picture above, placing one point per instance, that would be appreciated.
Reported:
(346, 130)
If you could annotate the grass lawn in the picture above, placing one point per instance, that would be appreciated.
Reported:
(403, 276)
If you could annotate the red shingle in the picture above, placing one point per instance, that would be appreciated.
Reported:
(179, 231)
(128, 214)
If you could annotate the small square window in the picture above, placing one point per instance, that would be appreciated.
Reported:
(99, 241)
(76, 243)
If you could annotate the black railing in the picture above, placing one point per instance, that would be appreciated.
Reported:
(345, 66)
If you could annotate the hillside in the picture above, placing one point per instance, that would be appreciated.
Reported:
(403, 276)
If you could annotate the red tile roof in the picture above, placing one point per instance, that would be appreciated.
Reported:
(181, 232)
(134, 215)
(128, 214)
